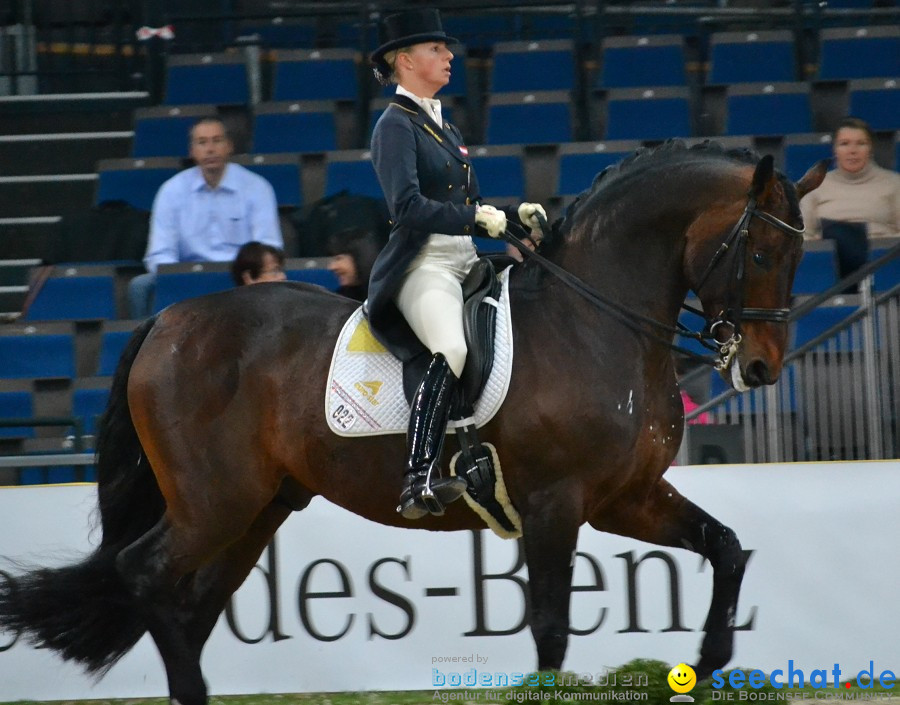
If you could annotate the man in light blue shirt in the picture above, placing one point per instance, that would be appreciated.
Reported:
(205, 213)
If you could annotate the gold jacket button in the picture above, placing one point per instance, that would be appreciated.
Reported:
(466, 229)
(449, 186)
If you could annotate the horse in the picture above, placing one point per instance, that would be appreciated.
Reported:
(215, 430)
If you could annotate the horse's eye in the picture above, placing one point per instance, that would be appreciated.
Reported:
(760, 260)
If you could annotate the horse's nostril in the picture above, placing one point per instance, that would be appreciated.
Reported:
(757, 373)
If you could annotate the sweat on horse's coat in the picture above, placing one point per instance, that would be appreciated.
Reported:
(214, 429)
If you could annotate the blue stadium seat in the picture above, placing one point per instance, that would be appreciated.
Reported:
(280, 170)
(888, 276)
(317, 74)
(72, 294)
(802, 151)
(745, 57)
(176, 283)
(49, 475)
(37, 351)
(820, 320)
(481, 31)
(877, 101)
(533, 66)
(500, 171)
(351, 171)
(818, 268)
(579, 164)
(545, 26)
(16, 405)
(294, 127)
(88, 404)
(647, 114)
(135, 181)
(860, 52)
(276, 33)
(165, 131)
(529, 118)
(219, 79)
(113, 340)
(639, 61)
(768, 109)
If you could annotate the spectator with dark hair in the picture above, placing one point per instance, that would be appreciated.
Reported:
(205, 213)
(257, 262)
(352, 253)
(858, 192)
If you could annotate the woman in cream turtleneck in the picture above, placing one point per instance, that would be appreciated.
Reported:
(858, 190)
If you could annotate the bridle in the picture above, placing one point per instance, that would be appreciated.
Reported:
(734, 312)
(731, 315)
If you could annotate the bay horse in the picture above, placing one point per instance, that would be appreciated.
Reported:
(215, 428)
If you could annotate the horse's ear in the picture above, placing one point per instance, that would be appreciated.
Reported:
(812, 179)
(764, 179)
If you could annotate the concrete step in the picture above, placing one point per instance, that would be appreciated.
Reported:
(23, 238)
(69, 112)
(76, 152)
(28, 196)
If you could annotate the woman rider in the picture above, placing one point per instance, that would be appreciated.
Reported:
(415, 295)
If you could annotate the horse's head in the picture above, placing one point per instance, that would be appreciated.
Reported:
(740, 259)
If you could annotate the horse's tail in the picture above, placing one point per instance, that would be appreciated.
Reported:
(84, 611)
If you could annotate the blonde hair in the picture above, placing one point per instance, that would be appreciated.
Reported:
(390, 58)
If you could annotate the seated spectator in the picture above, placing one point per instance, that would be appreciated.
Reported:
(352, 254)
(858, 191)
(205, 213)
(257, 262)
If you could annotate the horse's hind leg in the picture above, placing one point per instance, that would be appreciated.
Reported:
(550, 534)
(666, 518)
(181, 600)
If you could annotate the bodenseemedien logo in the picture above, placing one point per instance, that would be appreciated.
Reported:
(682, 680)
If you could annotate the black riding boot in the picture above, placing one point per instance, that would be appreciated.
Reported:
(424, 490)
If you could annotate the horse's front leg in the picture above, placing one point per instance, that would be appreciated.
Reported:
(666, 518)
(550, 532)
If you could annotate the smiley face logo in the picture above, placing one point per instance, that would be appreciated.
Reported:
(682, 678)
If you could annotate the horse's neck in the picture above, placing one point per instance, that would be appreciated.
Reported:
(643, 273)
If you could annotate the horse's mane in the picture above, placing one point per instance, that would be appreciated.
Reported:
(673, 150)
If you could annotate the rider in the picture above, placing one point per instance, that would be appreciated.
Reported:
(415, 294)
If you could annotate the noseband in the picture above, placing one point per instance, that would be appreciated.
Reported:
(731, 316)
(734, 312)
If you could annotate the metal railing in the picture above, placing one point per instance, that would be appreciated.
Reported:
(838, 396)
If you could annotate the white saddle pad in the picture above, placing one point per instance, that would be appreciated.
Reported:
(364, 396)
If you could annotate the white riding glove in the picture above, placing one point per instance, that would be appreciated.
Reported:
(528, 213)
(491, 219)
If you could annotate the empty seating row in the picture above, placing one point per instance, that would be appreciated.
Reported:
(542, 117)
(624, 62)
(86, 292)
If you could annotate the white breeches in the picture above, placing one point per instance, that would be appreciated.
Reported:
(430, 297)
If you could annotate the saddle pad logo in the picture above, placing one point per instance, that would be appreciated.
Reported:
(364, 396)
(369, 390)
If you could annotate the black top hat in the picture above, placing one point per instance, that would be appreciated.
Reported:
(405, 29)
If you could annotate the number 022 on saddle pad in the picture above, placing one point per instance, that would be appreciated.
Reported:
(364, 396)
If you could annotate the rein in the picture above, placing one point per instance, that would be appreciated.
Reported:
(731, 316)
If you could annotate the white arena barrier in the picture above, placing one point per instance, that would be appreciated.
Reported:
(338, 603)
